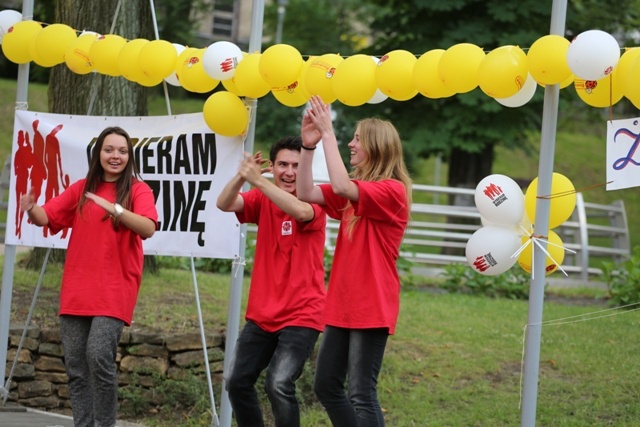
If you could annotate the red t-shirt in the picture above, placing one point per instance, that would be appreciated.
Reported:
(103, 267)
(287, 283)
(364, 287)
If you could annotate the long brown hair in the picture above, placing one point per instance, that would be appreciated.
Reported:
(381, 141)
(96, 171)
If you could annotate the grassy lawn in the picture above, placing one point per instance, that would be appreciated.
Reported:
(455, 360)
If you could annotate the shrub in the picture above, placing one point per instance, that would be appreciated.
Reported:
(623, 279)
(460, 278)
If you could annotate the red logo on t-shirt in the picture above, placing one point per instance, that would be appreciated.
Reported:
(287, 228)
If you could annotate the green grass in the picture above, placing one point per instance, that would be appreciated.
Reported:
(454, 361)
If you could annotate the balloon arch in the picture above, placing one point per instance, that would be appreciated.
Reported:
(592, 62)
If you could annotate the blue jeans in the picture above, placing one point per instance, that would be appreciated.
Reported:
(283, 354)
(356, 355)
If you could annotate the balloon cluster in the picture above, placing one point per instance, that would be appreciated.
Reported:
(592, 62)
(507, 217)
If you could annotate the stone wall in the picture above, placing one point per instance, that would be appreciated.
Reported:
(39, 379)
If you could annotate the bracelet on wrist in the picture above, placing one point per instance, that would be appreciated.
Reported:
(31, 208)
(308, 148)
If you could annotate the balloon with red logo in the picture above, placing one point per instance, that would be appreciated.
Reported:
(490, 250)
(220, 60)
(500, 200)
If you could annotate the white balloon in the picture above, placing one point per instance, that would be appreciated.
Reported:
(7, 19)
(172, 79)
(521, 97)
(500, 200)
(490, 249)
(593, 54)
(220, 60)
(379, 96)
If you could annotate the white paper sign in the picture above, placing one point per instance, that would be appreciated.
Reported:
(623, 156)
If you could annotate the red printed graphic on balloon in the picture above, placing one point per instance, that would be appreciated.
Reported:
(495, 193)
(228, 64)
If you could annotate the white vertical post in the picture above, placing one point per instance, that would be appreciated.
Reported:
(536, 293)
(10, 250)
(237, 274)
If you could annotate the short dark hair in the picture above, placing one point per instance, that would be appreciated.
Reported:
(286, 143)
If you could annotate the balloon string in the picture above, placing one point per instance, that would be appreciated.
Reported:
(569, 192)
(535, 239)
(611, 97)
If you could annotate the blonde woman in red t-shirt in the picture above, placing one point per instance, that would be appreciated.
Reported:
(362, 305)
(109, 212)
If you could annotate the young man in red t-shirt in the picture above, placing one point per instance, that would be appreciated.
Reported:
(287, 294)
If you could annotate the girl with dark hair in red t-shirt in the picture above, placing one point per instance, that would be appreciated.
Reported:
(109, 212)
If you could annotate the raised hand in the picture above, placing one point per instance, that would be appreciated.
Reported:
(320, 115)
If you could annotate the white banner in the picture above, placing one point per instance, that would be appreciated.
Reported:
(184, 163)
(623, 156)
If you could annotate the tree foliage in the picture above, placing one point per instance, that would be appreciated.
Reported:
(466, 127)
(314, 28)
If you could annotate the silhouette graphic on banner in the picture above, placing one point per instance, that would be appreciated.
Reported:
(38, 165)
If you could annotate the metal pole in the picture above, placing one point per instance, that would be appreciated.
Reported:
(282, 6)
(214, 422)
(10, 250)
(235, 295)
(536, 294)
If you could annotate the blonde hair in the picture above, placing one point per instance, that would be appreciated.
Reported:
(381, 142)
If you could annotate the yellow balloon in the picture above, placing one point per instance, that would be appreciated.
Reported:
(555, 248)
(225, 114)
(146, 81)
(293, 95)
(231, 86)
(547, 60)
(191, 73)
(458, 67)
(426, 78)
(104, 54)
(566, 82)
(629, 71)
(33, 52)
(77, 54)
(51, 44)
(562, 202)
(248, 79)
(319, 74)
(503, 72)
(600, 93)
(128, 59)
(280, 65)
(16, 42)
(158, 59)
(354, 81)
(394, 75)
(303, 73)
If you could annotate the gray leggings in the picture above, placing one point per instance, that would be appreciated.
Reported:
(90, 346)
